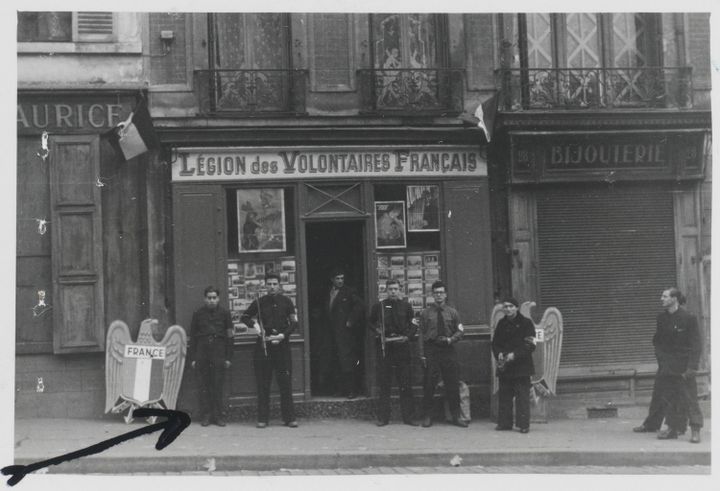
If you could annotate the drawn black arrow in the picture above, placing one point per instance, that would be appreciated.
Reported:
(171, 428)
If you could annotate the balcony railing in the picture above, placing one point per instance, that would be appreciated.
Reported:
(411, 90)
(251, 92)
(595, 88)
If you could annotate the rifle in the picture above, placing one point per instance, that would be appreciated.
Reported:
(262, 329)
(382, 328)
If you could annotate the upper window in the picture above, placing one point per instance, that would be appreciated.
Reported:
(405, 40)
(583, 40)
(249, 41)
(65, 27)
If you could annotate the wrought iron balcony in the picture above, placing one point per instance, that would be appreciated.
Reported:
(411, 90)
(251, 92)
(595, 88)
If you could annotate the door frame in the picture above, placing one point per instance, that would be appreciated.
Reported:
(368, 241)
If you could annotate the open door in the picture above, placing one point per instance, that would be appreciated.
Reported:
(329, 245)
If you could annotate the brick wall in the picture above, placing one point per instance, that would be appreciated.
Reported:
(74, 386)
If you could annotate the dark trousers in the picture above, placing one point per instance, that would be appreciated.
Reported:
(441, 361)
(659, 407)
(397, 359)
(211, 373)
(278, 360)
(517, 388)
(346, 360)
(683, 406)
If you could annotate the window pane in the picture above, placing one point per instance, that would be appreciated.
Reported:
(250, 41)
(404, 40)
(629, 40)
(539, 40)
(582, 41)
(44, 26)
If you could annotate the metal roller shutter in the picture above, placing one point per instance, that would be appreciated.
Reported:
(605, 256)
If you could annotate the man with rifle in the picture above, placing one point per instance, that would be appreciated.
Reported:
(273, 316)
(393, 322)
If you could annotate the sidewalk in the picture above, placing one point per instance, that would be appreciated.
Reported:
(330, 444)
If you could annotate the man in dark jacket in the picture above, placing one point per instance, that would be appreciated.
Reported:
(344, 313)
(273, 316)
(512, 345)
(393, 321)
(440, 329)
(677, 348)
(210, 350)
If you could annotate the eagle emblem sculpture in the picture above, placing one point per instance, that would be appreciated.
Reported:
(546, 357)
(144, 373)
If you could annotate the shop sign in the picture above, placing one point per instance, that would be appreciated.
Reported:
(603, 155)
(56, 116)
(226, 164)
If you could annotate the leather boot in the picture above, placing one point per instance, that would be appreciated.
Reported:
(695, 436)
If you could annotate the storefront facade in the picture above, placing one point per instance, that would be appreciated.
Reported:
(600, 222)
(408, 212)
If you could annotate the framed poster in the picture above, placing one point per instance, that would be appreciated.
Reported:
(261, 220)
(422, 208)
(390, 224)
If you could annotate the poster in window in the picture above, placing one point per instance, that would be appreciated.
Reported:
(390, 224)
(422, 208)
(261, 220)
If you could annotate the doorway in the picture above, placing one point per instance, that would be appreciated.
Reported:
(330, 245)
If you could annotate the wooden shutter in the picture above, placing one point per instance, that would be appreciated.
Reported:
(605, 255)
(331, 47)
(94, 26)
(200, 247)
(77, 248)
(467, 245)
(523, 240)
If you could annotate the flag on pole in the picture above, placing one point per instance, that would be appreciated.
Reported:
(484, 116)
(136, 134)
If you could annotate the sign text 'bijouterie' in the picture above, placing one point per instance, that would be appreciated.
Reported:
(219, 164)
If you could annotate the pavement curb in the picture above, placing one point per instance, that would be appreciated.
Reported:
(175, 464)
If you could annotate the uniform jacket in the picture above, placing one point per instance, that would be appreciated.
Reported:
(510, 337)
(210, 326)
(276, 312)
(431, 333)
(397, 316)
(677, 342)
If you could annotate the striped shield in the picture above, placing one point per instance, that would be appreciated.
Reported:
(142, 380)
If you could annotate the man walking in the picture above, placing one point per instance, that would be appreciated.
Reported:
(393, 321)
(677, 348)
(344, 314)
(210, 350)
(440, 329)
(274, 318)
(512, 344)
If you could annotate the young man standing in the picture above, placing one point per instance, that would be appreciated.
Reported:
(393, 321)
(512, 346)
(273, 316)
(678, 347)
(210, 350)
(440, 329)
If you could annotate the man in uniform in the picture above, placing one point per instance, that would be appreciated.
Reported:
(677, 348)
(440, 329)
(210, 350)
(344, 315)
(512, 346)
(393, 321)
(273, 316)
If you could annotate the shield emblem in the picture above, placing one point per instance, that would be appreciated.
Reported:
(143, 373)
